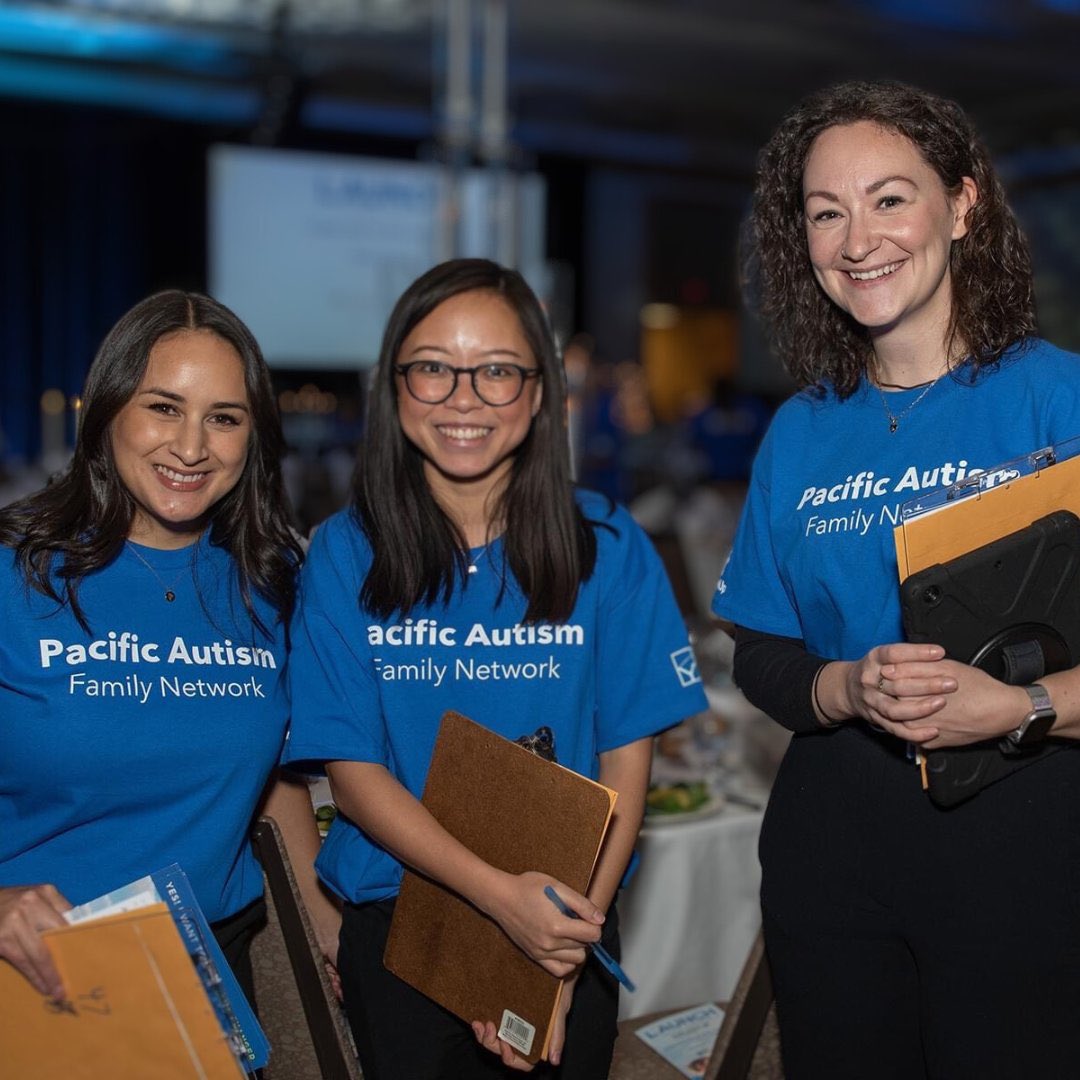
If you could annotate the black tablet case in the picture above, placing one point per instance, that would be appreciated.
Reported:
(1011, 608)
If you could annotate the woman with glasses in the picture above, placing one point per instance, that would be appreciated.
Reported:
(469, 574)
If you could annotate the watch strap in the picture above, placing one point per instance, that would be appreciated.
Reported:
(1034, 727)
(1040, 698)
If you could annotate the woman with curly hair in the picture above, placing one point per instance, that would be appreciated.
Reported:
(145, 596)
(905, 940)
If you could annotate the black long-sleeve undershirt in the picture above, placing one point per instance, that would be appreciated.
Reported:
(776, 675)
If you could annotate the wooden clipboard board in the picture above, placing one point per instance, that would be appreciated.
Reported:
(518, 812)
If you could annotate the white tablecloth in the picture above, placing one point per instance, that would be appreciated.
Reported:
(690, 913)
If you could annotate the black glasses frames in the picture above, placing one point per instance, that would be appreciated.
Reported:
(433, 382)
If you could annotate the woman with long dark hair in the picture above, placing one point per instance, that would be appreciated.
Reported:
(905, 940)
(145, 596)
(467, 548)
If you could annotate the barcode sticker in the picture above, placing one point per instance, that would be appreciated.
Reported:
(517, 1032)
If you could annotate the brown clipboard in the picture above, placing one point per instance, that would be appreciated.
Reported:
(517, 812)
(988, 507)
(136, 1008)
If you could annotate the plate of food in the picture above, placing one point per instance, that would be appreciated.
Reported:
(683, 801)
(324, 817)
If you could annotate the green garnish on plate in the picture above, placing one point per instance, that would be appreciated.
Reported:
(676, 798)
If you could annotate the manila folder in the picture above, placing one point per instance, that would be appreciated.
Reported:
(136, 1008)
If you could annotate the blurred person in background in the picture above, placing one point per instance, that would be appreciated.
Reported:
(464, 516)
(905, 940)
(145, 596)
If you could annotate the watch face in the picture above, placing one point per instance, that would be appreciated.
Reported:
(1033, 729)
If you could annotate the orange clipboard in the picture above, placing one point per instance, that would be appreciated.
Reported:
(981, 508)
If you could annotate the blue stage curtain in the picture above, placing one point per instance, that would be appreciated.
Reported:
(96, 211)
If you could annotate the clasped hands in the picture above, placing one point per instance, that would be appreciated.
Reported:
(915, 693)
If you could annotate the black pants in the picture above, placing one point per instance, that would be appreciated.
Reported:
(908, 942)
(235, 935)
(401, 1033)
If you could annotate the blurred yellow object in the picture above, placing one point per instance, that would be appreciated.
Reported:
(684, 354)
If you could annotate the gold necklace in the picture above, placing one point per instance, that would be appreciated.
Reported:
(170, 593)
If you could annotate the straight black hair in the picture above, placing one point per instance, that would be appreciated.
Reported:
(418, 552)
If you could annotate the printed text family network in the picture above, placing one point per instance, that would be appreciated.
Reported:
(856, 488)
(430, 633)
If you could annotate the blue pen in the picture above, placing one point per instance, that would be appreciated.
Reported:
(598, 950)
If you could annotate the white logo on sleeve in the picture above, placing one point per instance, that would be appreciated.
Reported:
(685, 664)
(721, 585)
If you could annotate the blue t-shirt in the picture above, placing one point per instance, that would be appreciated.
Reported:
(364, 689)
(147, 741)
(814, 556)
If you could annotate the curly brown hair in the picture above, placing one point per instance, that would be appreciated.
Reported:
(993, 303)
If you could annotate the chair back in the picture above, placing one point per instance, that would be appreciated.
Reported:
(309, 1035)
(747, 1045)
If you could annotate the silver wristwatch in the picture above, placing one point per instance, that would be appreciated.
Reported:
(1034, 727)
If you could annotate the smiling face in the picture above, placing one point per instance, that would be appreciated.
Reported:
(468, 447)
(180, 444)
(879, 227)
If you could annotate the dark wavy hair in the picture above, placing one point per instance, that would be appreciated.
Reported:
(418, 552)
(992, 298)
(79, 522)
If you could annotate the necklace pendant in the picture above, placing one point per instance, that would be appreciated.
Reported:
(170, 595)
(472, 569)
(893, 424)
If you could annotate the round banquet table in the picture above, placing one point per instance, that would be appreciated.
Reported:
(691, 911)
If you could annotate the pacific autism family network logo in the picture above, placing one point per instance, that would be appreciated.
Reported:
(685, 664)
